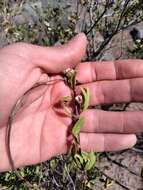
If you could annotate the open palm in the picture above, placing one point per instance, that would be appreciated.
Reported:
(40, 130)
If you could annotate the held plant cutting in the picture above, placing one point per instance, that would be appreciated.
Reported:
(83, 160)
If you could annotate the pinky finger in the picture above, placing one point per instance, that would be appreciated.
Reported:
(106, 142)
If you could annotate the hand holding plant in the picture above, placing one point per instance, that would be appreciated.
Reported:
(41, 128)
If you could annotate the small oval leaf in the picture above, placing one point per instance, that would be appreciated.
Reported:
(79, 160)
(91, 161)
(77, 126)
(67, 99)
(86, 96)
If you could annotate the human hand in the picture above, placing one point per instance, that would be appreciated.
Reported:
(38, 133)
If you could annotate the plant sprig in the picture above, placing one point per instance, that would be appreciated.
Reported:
(83, 160)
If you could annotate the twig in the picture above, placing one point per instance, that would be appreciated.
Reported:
(121, 46)
(121, 165)
(71, 180)
(117, 28)
(114, 180)
(99, 18)
(18, 105)
(138, 150)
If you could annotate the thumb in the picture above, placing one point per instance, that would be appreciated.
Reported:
(58, 58)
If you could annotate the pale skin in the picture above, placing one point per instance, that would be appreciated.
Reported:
(39, 132)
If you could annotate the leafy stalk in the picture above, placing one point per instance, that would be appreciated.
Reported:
(83, 160)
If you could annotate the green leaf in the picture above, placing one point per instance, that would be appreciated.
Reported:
(85, 156)
(22, 173)
(53, 164)
(91, 161)
(67, 111)
(67, 98)
(86, 96)
(77, 126)
(65, 172)
(73, 80)
(7, 175)
(91, 184)
(79, 160)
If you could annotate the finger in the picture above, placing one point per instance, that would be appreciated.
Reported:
(97, 121)
(109, 70)
(106, 142)
(53, 59)
(109, 92)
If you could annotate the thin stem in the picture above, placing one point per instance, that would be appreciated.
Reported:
(116, 181)
(119, 164)
(18, 105)
(98, 19)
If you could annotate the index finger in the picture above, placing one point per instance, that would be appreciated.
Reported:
(109, 70)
